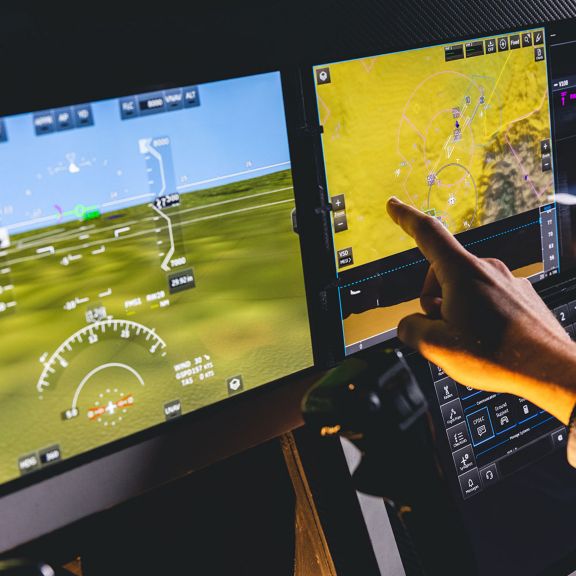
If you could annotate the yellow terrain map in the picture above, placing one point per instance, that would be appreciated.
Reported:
(460, 139)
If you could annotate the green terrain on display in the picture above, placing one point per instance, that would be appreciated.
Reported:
(95, 344)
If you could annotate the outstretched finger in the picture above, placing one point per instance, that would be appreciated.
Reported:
(436, 243)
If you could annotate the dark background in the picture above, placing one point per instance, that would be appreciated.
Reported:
(55, 50)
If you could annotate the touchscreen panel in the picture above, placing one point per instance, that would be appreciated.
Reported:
(149, 264)
(460, 131)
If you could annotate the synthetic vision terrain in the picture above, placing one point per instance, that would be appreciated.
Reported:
(245, 316)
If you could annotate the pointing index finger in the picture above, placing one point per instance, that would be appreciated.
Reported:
(436, 243)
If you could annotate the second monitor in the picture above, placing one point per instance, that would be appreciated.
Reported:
(460, 131)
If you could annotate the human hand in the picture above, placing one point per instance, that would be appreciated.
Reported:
(484, 327)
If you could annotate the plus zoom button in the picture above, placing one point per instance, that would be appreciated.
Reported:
(480, 426)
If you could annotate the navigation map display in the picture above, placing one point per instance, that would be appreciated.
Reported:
(461, 132)
(149, 264)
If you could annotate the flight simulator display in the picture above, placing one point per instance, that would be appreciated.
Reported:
(149, 264)
(459, 131)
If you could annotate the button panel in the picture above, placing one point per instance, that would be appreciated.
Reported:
(452, 413)
(480, 425)
(484, 429)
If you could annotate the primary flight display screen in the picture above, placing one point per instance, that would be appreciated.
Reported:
(148, 264)
(461, 132)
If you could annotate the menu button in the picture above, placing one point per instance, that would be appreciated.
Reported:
(470, 483)
(191, 96)
(44, 123)
(452, 413)
(128, 108)
(28, 463)
(489, 474)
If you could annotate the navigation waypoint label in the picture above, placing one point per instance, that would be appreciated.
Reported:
(235, 384)
(323, 76)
